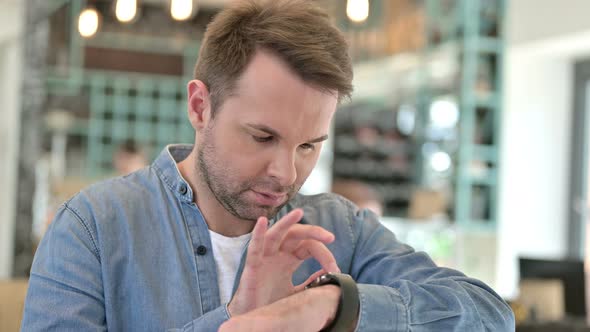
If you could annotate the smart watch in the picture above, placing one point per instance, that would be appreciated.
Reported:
(348, 306)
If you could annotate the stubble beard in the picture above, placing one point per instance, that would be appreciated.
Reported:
(215, 176)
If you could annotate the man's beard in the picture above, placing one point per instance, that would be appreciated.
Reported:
(218, 176)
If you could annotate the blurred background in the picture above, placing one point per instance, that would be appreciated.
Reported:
(467, 131)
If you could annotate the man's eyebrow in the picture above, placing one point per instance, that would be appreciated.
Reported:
(265, 129)
(319, 139)
(274, 133)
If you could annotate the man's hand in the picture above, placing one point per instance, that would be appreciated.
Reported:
(310, 310)
(274, 255)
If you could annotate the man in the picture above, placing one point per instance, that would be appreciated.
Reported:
(218, 231)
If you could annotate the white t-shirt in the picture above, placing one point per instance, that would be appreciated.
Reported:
(227, 252)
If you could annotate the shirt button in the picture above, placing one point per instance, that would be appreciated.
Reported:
(201, 250)
(182, 189)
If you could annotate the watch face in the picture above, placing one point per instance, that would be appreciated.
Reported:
(321, 280)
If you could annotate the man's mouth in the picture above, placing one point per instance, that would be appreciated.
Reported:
(269, 198)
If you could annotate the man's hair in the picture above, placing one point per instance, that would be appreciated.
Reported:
(296, 31)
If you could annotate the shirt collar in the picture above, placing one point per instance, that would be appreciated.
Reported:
(166, 165)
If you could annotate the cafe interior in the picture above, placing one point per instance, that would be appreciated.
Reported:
(468, 131)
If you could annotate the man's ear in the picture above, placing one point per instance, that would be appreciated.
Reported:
(199, 104)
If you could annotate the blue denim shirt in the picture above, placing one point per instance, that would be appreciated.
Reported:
(134, 254)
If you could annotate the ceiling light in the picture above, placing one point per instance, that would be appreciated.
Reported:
(357, 10)
(126, 10)
(88, 22)
(182, 10)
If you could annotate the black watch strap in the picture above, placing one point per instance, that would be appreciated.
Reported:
(348, 307)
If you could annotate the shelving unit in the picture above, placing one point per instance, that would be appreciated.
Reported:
(368, 148)
(460, 62)
(111, 106)
(476, 30)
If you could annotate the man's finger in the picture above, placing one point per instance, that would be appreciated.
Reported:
(319, 251)
(275, 235)
(298, 233)
(254, 257)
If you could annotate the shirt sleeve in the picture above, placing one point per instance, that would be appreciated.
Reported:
(404, 290)
(65, 288)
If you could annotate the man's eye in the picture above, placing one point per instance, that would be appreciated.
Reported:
(307, 146)
(262, 139)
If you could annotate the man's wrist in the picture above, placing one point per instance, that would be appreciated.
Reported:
(325, 299)
(346, 315)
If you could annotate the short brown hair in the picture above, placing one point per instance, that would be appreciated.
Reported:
(297, 31)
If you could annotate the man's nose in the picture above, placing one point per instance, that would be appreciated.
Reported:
(282, 168)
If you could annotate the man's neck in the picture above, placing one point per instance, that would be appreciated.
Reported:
(218, 219)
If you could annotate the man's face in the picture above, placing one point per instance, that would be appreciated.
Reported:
(264, 140)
